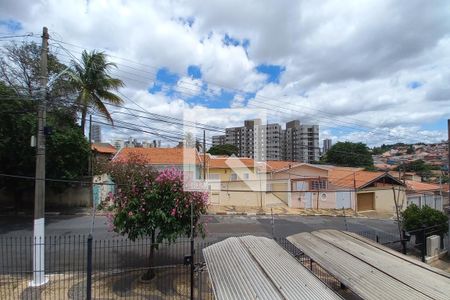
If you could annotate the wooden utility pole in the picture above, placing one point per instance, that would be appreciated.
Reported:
(39, 190)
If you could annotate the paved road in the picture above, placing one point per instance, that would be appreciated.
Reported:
(114, 252)
(218, 226)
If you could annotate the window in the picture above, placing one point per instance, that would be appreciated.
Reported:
(245, 176)
(214, 176)
(233, 176)
(319, 184)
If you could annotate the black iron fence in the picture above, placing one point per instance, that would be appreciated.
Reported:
(84, 268)
(79, 267)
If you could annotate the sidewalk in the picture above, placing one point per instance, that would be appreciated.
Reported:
(277, 210)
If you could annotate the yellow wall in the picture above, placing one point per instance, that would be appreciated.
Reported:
(384, 199)
(225, 174)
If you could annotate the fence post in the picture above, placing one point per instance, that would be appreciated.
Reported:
(192, 268)
(424, 243)
(403, 241)
(89, 269)
(377, 238)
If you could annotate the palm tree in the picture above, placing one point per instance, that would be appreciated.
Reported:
(93, 83)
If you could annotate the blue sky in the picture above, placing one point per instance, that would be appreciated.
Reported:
(397, 79)
(167, 80)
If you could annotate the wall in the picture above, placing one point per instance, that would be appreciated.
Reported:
(280, 190)
(238, 193)
(225, 173)
(300, 171)
(384, 199)
(298, 200)
(77, 196)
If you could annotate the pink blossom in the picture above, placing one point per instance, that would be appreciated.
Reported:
(173, 212)
(130, 213)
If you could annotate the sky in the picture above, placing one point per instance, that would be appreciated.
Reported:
(365, 71)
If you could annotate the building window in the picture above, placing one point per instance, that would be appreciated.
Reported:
(245, 176)
(319, 184)
(214, 176)
(233, 176)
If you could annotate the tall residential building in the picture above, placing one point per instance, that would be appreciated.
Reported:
(270, 142)
(327, 143)
(96, 132)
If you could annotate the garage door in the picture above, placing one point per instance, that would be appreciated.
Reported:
(365, 201)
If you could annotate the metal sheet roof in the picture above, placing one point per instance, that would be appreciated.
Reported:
(258, 268)
(371, 271)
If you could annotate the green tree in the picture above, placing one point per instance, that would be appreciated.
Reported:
(67, 149)
(226, 149)
(20, 71)
(413, 218)
(349, 154)
(418, 166)
(94, 85)
(155, 206)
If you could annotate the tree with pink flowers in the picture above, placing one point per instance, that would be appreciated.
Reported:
(153, 204)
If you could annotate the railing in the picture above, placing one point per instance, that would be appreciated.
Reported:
(84, 268)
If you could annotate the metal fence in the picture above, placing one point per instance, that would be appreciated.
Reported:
(79, 267)
(84, 268)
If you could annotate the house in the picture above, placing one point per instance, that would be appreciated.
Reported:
(302, 185)
(377, 191)
(238, 181)
(421, 193)
(103, 150)
(185, 159)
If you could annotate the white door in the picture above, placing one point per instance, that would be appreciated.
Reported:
(343, 199)
(308, 200)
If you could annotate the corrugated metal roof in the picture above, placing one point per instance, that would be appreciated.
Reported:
(258, 268)
(369, 271)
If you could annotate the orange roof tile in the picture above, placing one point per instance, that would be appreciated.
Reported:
(421, 186)
(104, 148)
(349, 178)
(228, 162)
(273, 165)
(159, 156)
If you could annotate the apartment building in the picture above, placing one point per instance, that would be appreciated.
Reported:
(297, 142)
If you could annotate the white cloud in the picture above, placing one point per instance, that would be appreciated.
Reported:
(348, 66)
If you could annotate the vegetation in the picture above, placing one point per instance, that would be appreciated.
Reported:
(413, 218)
(418, 166)
(349, 154)
(226, 149)
(93, 83)
(67, 149)
(152, 204)
(383, 148)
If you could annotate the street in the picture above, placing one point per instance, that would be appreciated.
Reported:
(218, 226)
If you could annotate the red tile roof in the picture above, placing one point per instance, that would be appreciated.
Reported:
(159, 156)
(229, 162)
(104, 148)
(273, 165)
(351, 179)
(421, 186)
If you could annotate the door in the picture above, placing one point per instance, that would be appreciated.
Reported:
(308, 200)
(365, 201)
(343, 199)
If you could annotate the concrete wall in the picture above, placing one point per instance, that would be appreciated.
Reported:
(326, 200)
(225, 173)
(384, 199)
(280, 190)
(239, 193)
(71, 197)
(299, 172)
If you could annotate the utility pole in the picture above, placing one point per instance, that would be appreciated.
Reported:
(448, 157)
(204, 155)
(39, 191)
